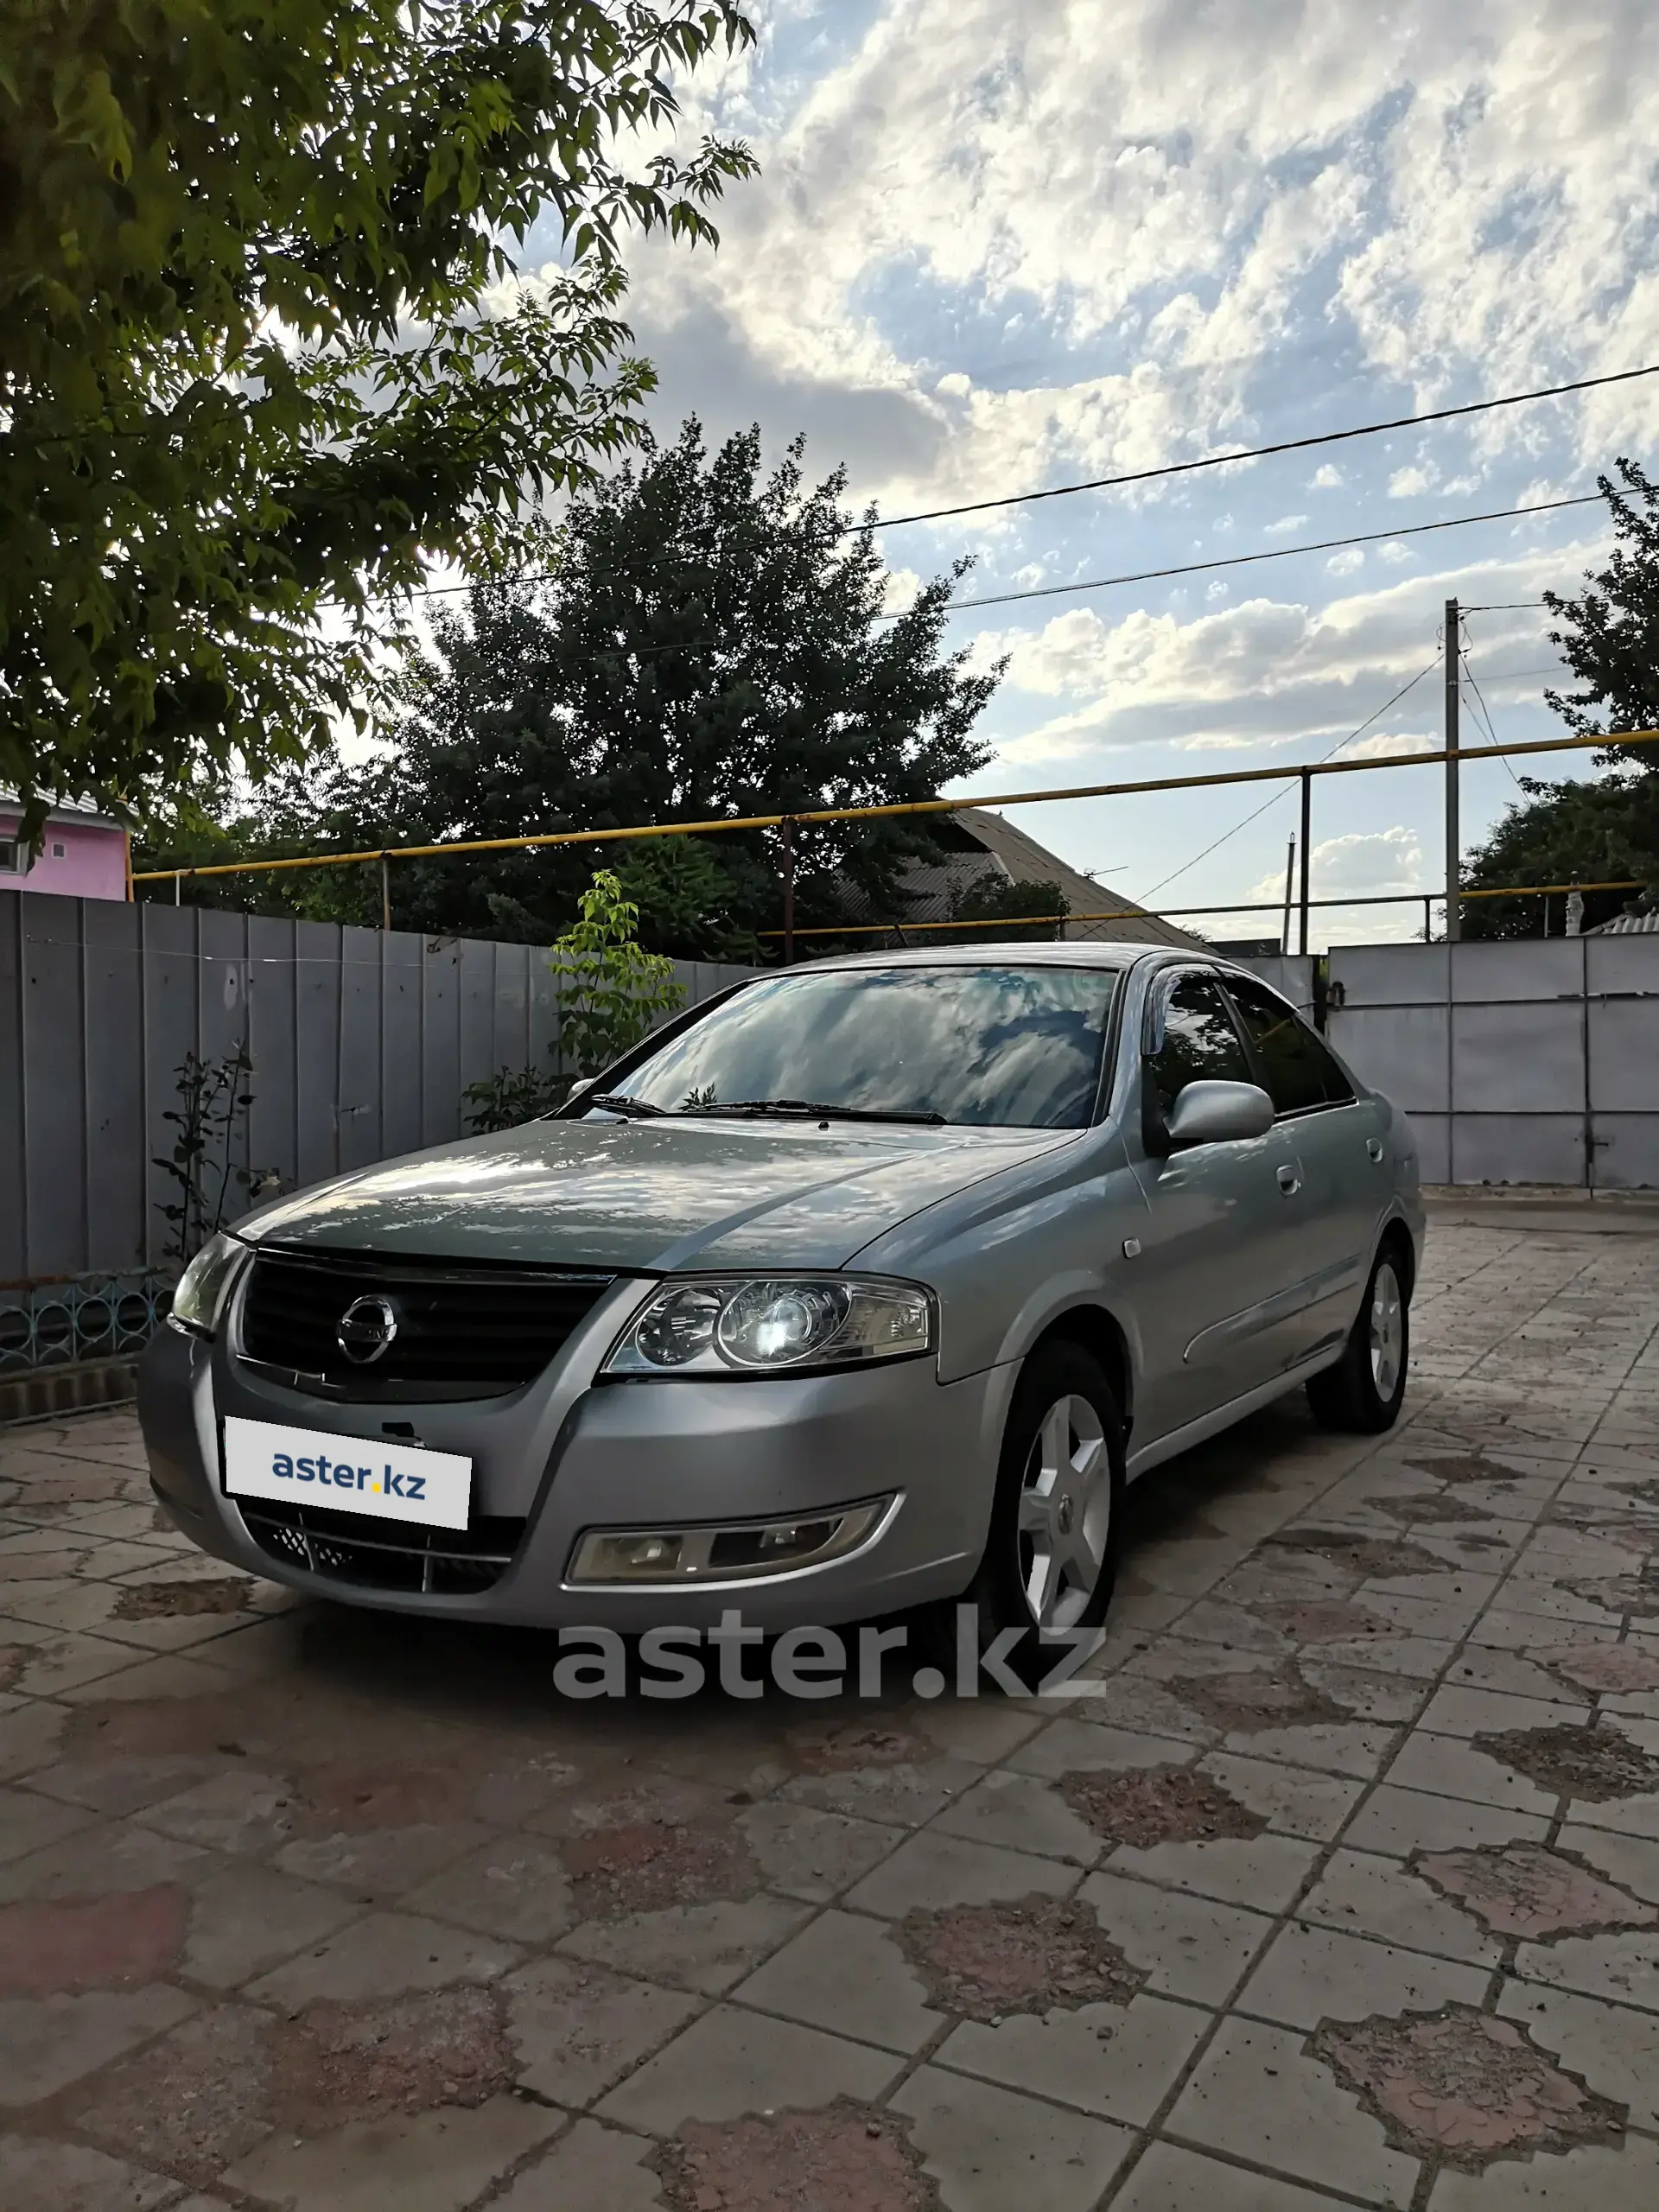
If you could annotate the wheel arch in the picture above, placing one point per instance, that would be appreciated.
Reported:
(1097, 1331)
(1395, 1244)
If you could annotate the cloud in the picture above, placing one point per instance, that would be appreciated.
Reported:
(1327, 478)
(1410, 483)
(1284, 523)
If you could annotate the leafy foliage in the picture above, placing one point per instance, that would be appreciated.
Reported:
(711, 641)
(994, 899)
(611, 989)
(214, 1102)
(1606, 830)
(264, 354)
(511, 1097)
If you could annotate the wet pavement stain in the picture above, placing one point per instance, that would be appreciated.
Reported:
(1570, 1760)
(1636, 1595)
(847, 2157)
(1361, 1557)
(54, 1947)
(156, 1601)
(1466, 1467)
(984, 1961)
(1145, 1805)
(1430, 1507)
(1466, 2088)
(1527, 1891)
(1328, 1620)
(1606, 1670)
(1257, 1698)
(654, 1866)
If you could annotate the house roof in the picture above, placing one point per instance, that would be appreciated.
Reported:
(81, 810)
(1627, 926)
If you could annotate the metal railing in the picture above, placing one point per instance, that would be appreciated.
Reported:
(79, 1319)
(1450, 758)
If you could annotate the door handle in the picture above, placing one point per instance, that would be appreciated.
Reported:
(1289, 1181)
(1374, 1147)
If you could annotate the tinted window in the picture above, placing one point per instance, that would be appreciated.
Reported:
(1010, 1046)
(1199, 1042)
(1296, 1069)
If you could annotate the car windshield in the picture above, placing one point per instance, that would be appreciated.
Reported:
(1001, 1047)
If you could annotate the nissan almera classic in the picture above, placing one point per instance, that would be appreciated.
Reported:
(865, 1286)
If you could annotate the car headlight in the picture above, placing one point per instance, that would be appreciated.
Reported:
(746, 1325)
(199, 1296)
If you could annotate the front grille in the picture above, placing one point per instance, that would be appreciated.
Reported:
(377, 1554)
(463, 1332)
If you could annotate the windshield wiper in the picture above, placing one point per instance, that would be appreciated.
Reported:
(632, 1109)
(809, 1110)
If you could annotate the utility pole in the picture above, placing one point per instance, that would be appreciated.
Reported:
(1454, 839)
(1307, 849)
(1290, 879)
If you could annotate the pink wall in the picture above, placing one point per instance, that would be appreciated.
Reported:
(93, 864)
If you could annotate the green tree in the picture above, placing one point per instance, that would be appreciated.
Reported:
(611, 993)
(1608, 830)
(265, 353)
(709, 641)
(1002, 904)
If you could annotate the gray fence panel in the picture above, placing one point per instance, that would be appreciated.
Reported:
(115, 1131)
(400, 1043)
(1485, 970)
(1627, 1151)
(316, 1008)
(14, 1183)
(1518, 1058)
(361, 1133)
(54, 1092)
(439, 1039)
(273, 1037)
(1402, 1049)
(359, 1042)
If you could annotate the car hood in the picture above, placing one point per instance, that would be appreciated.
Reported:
(648, 1196)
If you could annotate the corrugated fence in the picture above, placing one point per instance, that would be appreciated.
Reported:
(362, 1043)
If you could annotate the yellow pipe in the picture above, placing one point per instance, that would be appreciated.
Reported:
(902, 806)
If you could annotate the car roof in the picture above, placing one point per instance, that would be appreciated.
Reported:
(1072, 952)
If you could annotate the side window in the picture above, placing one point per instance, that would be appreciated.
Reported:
(1199, 1042)
(1297, 1069)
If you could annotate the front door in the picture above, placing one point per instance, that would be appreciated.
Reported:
(1213, 1265)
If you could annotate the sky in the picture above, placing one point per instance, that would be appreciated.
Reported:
(995, 247)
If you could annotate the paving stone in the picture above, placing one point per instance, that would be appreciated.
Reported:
(29, 1735)
(1266, 1871)
(986, 1730)
(578, 2028)
(701, 1947)
(1398, 1822)
(1616, 2050)
(847, 1974)
(433, 2162)
(1630, 1861)
(117, 1783)
(1119, 2061)
(932, 1871)
(47, 2042)
(1088, 1747)
(1360, 1748)
(29, 1822)
(1187, 1946)
(804, 1852)
(1258, 2094)
(246, 1919)
(1527, 1891)
(192, 2101)
(1023, 1812)
(242, 1809)
(731, 2061)
(1172, 2179)
(1369, 1895)
(1446, 1768)
(990, 2149)
(515, 1887)
(591, 2168)
(1622, 1968)
(903, 1795)
(1311, 1975)
(1458, 1709)
(45, 2176)
(382, 1955)
(50, 1945)
(1585, 2181)
(1291, 1801)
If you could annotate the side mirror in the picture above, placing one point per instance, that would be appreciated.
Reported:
(1219, 1113)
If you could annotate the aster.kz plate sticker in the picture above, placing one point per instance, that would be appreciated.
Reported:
(347, 1474)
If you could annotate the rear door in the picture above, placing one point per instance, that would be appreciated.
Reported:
(1214, 1263)
(1333, 1213)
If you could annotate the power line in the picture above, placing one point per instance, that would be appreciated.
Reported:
(1278, 553)
(1486, 711)
(1277, 796)
(1259, 453)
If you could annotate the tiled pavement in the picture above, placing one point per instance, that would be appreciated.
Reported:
(1343, 1888)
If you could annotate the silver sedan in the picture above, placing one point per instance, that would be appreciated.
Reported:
(866, 1287)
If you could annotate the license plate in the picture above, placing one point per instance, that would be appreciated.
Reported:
(347, 1474)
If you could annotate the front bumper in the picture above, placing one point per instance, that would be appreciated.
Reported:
(566, 1455)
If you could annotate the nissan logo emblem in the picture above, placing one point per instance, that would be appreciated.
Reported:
(368, 1329)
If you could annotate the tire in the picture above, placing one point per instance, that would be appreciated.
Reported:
(1363, 1391)
(1049, 1566)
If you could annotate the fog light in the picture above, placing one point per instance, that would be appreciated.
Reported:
(736, 1552)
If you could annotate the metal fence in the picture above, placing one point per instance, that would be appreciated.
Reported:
(362, 1043)
(1529, 1061)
